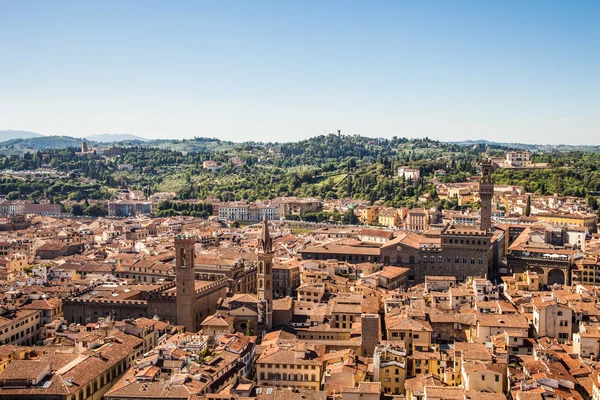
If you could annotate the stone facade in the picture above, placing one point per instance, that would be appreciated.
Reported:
(265, 277)
(370, 333)
(184, 275)
(486, 192)
(185, 302)
(466, 252)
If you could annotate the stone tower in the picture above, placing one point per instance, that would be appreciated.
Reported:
(265, 277)
(84, 147)
(486, 193)
(185, 281)
(370, 333)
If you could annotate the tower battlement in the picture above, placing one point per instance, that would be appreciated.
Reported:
(184, 239)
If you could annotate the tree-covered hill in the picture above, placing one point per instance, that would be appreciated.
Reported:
(328, 166)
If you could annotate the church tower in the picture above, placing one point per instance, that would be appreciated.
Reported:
(486, 193)
(265, 277)
(185, 281)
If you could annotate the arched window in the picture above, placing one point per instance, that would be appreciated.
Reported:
(182, 256)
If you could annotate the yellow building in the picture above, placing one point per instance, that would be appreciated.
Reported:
(20, 327)
(586, 271)
(589, 221)
(388, 217)
(10, 353)
(14, 262)
(414, 332)
(528, 281)
(389, 367)
(463, 195)
(426, 362)
(366, 214)
(50, 309)
(298, 367)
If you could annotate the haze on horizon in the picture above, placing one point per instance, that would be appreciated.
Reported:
(280, 71)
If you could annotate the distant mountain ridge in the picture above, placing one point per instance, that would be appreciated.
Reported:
(12, 134)
(43, 142)
(20, 140)
(527, 146)
(115, 137)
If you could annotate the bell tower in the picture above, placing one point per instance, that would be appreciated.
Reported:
(185, 281)
(486, 193)
(265, 277)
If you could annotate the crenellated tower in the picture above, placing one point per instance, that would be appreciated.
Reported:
(185, 281)
(265, 277)
(486, 193)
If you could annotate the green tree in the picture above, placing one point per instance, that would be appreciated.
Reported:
(249, 330)
(96, 210)
(77, 209)
(593, 202)
(348, 218)
(528, 207)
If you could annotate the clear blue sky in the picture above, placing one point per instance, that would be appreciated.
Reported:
(526, 71)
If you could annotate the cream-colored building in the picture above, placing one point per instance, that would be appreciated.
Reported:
(364, 391)
(596, 387)
(459, 296)
(489, 325)
(586, 342)
(312, 292)
(482, 377)
(417, 220)
(552, 319)
(409, 174)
